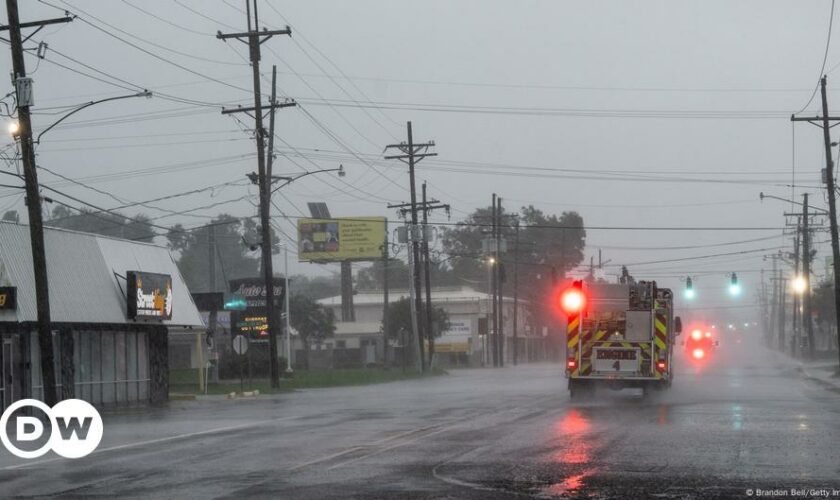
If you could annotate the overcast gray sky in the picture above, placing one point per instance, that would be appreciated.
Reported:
(635, 114)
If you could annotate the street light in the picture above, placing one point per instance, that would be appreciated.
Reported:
(14, 128)
(288, 179)
(761, 197)
(266, 256)
(145, 93)
(799, 284)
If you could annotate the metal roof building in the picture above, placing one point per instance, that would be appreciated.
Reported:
(86, 274)
(104, 353)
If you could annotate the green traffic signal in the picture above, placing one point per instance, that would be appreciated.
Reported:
(734, 286)
(689, 289)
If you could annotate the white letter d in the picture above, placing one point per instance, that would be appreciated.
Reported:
(29, 428)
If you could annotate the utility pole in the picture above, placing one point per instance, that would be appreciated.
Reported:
(427, 277)
(781, 310)
(428, 206)
(255, 38)
(500, 333)
(765, 323)
(806, 271)
(411, 154)
(425, 206)
(832, 203)
(516, 293)
(385, 257)
(797, 330)
(415, 302)
(774, 301)
(493, 285)
(23, 88)
(796, 333)
(211, 274)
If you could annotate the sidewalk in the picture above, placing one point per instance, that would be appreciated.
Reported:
(822, 371)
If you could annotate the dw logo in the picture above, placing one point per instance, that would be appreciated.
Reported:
(75, 429)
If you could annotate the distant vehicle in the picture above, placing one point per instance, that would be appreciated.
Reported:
(619, 335)
(700, 344)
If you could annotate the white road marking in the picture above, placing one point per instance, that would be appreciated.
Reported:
(156, 441)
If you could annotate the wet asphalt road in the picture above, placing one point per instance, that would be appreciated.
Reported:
(747, 421)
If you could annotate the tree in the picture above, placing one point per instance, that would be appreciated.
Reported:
(316, 287)
(462, 244)
(549, 247)
(399, 319)
(313, 322)
(372, 277)
(548, 244)
(235, 259)
(12, 216)
(135, 228)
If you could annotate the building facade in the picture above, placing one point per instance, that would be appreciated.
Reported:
(113, 305)
(361, 342)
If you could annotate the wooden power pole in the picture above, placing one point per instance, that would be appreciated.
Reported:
(23, 89)
(825, 120)
(411, 153)
(254, 38)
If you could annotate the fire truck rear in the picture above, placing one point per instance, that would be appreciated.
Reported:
(619, 335)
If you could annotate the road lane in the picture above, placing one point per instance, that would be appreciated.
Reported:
(746, 420)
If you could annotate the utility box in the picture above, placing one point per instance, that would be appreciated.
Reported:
(638, 327)
(23, 88)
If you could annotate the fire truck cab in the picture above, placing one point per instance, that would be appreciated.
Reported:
(619, 335)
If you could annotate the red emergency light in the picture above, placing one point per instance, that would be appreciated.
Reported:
(696, 334)
(698, 353)
(572, 300)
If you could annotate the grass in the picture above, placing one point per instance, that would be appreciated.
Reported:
(186, 381)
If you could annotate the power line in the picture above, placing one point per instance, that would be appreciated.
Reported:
(825, 58)
(697, 257)
(143, 40)
(685, 247)
(167, 21)
(145, 51)
(555, 112)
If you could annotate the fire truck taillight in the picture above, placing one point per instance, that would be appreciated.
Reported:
(573, 300)
(660, 365)
(571, 363)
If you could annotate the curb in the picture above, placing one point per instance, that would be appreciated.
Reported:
(832, 386)
(245, 394)
(181, 397)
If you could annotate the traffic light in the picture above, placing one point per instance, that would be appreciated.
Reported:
(689, 289)
(734, 287)
(573, 300)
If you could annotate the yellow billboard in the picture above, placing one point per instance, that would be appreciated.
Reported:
(333, 240)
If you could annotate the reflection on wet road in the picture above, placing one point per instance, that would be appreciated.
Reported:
(744, 419)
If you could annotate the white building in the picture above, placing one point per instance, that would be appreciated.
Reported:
(463, 344)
